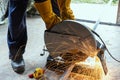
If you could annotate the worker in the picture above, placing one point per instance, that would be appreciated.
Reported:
(17, 31)
(31, 10)
(49, 17)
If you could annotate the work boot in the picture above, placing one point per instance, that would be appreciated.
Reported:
(17, 62)
(18, 66)
(45, 10)
(65, 10)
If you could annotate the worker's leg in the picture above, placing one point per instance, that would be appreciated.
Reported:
(65, 10)
(55, 7)
(45, 9)
(17, 33)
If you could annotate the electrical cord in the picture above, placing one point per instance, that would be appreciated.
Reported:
(106, 47)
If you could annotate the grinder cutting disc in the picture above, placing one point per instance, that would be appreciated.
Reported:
(70, 36)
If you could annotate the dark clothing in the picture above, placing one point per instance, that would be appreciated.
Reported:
(17, 28)
(17, 32)
(55, 7)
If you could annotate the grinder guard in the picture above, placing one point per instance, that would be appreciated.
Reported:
(72, 37)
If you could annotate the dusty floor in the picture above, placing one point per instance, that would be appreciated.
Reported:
(36, 27)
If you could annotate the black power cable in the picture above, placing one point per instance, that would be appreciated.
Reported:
(106, 47)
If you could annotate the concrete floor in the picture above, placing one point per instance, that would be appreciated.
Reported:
(36, 27)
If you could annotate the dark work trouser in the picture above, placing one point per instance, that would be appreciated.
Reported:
(17, 32)
(55, 7)
(17, 28)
